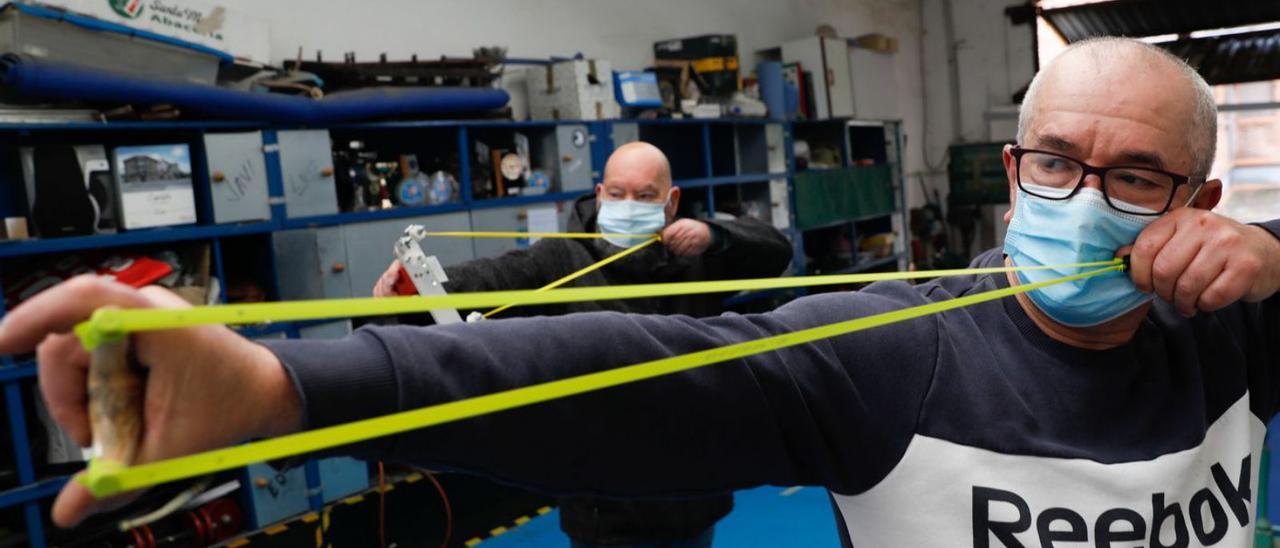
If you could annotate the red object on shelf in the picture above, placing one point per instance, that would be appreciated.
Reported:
(133, 270)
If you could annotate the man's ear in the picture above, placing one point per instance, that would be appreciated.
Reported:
(1010, 171)
(673, 203)
(1209, 196)
(599, 194)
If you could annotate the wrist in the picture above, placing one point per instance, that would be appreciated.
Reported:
(1270, 242)
(281, 409)
(716, 239)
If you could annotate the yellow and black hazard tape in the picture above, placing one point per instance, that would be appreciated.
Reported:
(317, 519)
(107, 478)
(502, 529)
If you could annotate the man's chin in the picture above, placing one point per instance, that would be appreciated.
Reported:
(1109, 334)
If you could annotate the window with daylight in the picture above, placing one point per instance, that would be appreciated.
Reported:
(1248, 157)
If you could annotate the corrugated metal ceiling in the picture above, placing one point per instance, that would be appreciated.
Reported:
(1138, 18)
(1234, 58)
(1225, 59)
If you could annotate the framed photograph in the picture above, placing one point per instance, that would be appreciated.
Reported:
(154, 183)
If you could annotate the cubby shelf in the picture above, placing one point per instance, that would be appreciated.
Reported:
(32, 492)
(19, 248)
(745, 165)
(17, 372)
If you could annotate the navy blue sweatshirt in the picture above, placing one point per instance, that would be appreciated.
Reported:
(970, 427)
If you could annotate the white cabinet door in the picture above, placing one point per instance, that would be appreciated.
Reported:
(306, 162)
(237, 177)
(875, 87)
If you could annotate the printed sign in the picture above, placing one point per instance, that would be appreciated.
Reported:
(195, 21)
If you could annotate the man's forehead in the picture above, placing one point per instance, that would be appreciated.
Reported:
(633, 175)
(631, 181)
(1124, 89)
(1107, 114)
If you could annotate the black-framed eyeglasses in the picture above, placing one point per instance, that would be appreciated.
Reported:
(1131, 189)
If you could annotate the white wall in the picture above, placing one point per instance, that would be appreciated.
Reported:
(994, 57)
(994, 60)
(622, 31)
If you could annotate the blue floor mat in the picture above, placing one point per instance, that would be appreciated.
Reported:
(766, 516)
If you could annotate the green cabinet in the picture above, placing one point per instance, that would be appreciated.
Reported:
(836, 195)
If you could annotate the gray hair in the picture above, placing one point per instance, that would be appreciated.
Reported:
(1203, 129)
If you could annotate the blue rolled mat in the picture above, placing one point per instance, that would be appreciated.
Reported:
(47, 79)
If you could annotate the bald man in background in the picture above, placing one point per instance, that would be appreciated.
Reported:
(636, 197)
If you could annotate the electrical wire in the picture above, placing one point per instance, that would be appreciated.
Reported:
(382, 506)
(448, 510)
(170, 507)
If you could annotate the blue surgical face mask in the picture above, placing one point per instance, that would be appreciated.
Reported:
(630, 217)
(1077, 230)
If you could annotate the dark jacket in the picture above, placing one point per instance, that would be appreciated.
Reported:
(740, 249)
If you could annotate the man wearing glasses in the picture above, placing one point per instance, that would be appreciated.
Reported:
(1126, 409)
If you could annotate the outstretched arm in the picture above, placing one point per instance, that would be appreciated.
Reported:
(835, 412)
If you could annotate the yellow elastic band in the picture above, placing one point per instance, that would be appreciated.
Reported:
(553, 235)
(589, 269)
(112, 322)
(108, 482)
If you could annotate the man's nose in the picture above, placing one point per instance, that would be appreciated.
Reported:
(1093, 181)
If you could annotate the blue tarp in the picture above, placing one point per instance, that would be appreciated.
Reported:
(47, 79)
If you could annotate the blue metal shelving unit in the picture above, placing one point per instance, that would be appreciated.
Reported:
(16, 377)
(140, 237)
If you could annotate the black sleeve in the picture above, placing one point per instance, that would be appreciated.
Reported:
(747, 248)
(1262, 324)
(529, 268)
(1274, 228)
(836, 412)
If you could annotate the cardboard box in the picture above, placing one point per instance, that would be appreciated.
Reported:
(877, 42)
(52, 35)
(572, 90)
